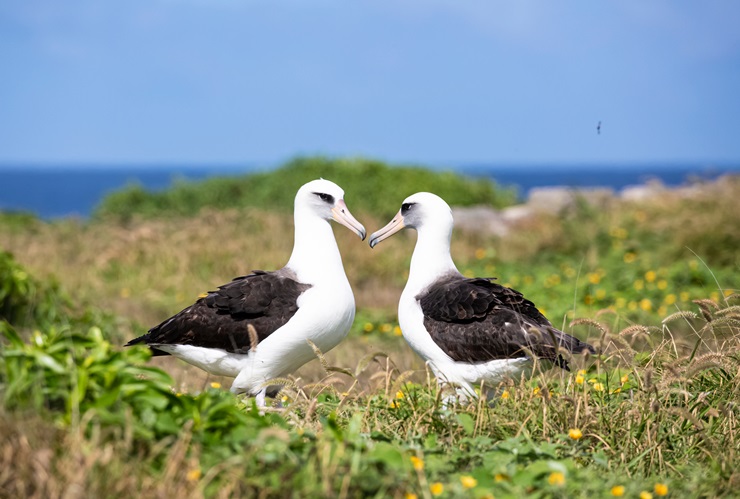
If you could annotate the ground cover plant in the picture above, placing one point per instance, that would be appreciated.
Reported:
(653, 286)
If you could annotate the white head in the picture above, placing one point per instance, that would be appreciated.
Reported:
(421, 211)
(325, 199)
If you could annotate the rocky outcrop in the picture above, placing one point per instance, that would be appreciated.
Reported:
(557, 200)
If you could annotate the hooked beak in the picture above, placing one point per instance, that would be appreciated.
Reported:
(340, 213)
(393, 226)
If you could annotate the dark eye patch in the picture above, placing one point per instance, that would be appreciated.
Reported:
(406, 207)
(328, 198)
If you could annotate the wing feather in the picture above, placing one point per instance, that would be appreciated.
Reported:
(266, 300)
(478, 320)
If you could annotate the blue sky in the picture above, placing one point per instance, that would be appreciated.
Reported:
(424, 81)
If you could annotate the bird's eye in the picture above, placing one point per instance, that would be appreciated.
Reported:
(406, 207)
(327, 198)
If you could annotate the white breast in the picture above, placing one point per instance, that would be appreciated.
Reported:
(324, 317)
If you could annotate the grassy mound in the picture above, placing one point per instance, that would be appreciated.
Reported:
(370, 186)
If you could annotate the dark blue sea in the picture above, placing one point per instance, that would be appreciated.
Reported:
(61, 191)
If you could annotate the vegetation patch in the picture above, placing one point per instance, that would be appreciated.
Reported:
(371, 187)
(656, 414)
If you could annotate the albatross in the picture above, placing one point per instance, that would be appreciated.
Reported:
(260, 326)
(469, 331)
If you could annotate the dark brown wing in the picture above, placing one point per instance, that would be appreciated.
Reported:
(266, 300)
(477, 320)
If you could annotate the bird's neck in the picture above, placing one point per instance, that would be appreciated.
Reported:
(431, 258)
(315, 254)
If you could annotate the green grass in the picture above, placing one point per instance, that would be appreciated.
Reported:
(650, 285)
(667, 417)
(370, 186)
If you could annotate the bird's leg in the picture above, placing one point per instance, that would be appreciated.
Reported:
(260, 397)
(454, 393)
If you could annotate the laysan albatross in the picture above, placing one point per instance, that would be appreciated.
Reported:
(308, 299)
(469, 331)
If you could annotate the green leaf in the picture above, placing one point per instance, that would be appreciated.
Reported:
(467, 422)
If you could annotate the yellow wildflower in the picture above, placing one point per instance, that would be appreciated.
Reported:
(684, 296)
(400, 394)
(386, 328)
(618, 232)
(480, 253)
(632, 305)
(639, 284)
(575, 433)
(397, 331)
(468, 481)
(650, 276)
(536, 390)
(662, 284)
(669, 299)
(579, 379)
(618, 490)
(501, 477)
(629, 257)
(599, 387)
(215, 384)
(661, 489)
(662, 310)
(410, 495)
(625, 378)
(646, 304)
(600, 294)
(593, 277)
(368, 327)
(417, 462)
(620, 303)
(588, 300)
(193, 475)
(646, 495)
(505, 394)
(556, 478)
(436, 489)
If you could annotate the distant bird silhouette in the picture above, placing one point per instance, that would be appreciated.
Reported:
(598, 128)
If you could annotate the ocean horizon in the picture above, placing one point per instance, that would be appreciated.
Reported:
(71, 190)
